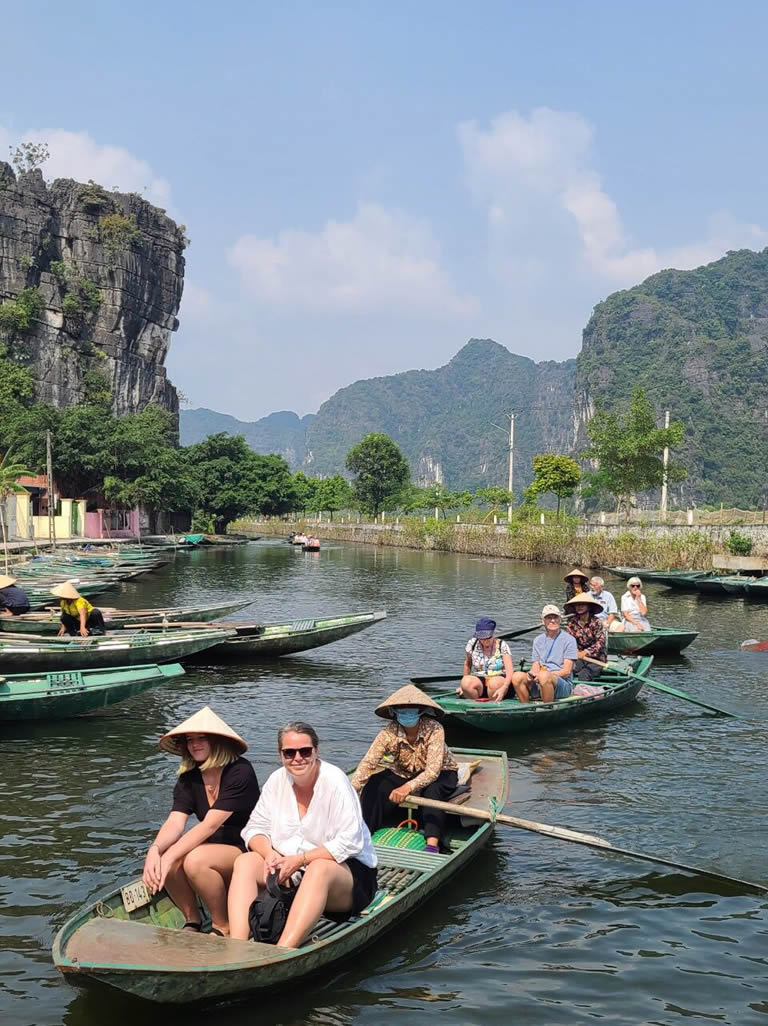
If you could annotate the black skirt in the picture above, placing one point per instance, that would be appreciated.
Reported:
(364, 885)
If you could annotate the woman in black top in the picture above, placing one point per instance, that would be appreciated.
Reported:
(220, 788)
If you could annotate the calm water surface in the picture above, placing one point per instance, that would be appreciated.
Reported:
(538, 931)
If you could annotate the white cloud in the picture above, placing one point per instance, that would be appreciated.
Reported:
(77, 155)
(536, 176)
(379, 260)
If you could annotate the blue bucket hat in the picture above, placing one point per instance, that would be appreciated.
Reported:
(485, 628)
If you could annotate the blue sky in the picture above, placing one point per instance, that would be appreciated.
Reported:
(367, 186)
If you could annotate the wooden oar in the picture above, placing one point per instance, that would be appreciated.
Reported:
(658, 686)
(564, 834)
(508, 635)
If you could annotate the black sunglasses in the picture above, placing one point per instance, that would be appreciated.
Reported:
(291, 753)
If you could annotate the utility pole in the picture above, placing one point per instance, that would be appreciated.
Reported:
(510, 479)
(51, 497)
(663, 507)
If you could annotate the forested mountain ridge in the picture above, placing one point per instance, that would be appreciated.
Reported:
(697, 342)
(451, 422)
(283, 433)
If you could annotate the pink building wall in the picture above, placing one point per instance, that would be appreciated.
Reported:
(112, 523)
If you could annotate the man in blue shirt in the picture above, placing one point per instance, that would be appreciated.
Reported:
(554, 653)
(607, 601)
(13, 600)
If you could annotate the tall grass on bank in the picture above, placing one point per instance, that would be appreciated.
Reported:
(536, 543)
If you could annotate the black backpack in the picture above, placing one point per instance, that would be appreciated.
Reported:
(268, 914)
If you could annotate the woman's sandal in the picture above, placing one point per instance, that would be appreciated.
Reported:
(218, 933)
(192, 926)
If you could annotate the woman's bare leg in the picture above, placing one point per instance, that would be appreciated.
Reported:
(493, 684)
(183, 896)
(471, 686)
(208, 869)
(325, 884)
(248, 878)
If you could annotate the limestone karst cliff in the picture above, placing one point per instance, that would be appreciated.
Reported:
(90, 286)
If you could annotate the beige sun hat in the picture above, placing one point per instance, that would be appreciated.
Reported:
(408, 695)
(583, 600)
(205, 721)
(6, 582)
(66, 591)
(576, 573)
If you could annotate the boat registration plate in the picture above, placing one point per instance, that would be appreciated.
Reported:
(134, 896)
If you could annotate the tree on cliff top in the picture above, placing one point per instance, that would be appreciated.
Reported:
(628, 449)
(381, 472)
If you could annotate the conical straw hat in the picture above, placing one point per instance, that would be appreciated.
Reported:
(576, 573)
(583, 600)
(6, 582)
(66, 591)
(205, 721)
(408, 695)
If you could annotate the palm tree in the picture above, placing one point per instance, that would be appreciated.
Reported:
(9, 474)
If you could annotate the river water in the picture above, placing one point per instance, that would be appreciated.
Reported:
(537, 931)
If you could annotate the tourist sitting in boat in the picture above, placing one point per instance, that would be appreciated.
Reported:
(609, 611)
(220, 788)
(13, 600)
(411, 749)
(308, 822)
(588, 630)
(78, 616)
(488, 665)
(634, 609)
(554, 653)
(576, 583)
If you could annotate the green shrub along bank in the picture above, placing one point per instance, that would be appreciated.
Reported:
(535, 543)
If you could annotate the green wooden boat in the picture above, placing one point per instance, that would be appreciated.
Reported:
(143, 951)
(757, 589)
(513, 717)
(271, 640)
(682, 580)
(631, 571)
(722, 586)
(47, 696)
(657, 641)
(30, 653)
(116, 619)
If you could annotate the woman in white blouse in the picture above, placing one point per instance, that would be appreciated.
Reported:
(308, 821)
(634, 608)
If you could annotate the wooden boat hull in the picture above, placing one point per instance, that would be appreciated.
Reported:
(682, 580)
(163, 964)
(116, 619)
(658, 641)
(757, 590)
(513, 717)
(310, 548)
(270, 641)
(32, 654)
(71, 693)
(719, 587)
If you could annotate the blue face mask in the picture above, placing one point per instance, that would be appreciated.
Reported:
(407, 717)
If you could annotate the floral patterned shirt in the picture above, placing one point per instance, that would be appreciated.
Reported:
(590, 636)
(420, 763)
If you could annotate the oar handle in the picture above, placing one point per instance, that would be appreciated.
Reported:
(564, 834)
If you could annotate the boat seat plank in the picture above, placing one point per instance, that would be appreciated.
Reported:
(302, 625)
(121, 942)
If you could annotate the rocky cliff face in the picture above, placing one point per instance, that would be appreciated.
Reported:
(90, 285)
